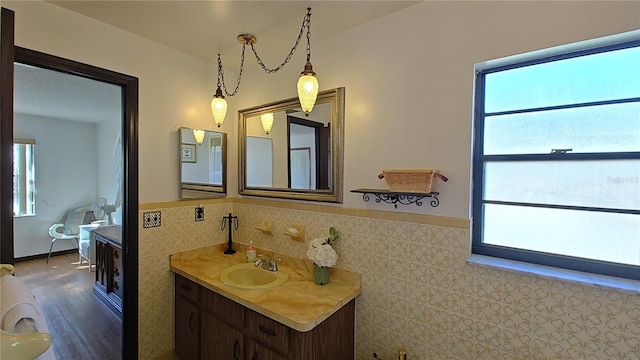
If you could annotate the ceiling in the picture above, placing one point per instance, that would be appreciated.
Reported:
(199, 28)
(53, 94)
(205, 28)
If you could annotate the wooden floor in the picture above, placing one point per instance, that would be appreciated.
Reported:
(81, 326)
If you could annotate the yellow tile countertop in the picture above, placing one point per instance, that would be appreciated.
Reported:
(298, 303)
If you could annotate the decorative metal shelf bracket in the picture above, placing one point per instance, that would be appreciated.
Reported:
(395, 198)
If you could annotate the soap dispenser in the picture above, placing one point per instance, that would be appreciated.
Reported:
(251, 252)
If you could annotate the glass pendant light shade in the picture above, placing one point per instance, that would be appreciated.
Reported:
(267, 122)
(199, 135)
(218, 107)
(307, 88)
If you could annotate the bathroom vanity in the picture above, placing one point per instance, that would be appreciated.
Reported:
(296, 320)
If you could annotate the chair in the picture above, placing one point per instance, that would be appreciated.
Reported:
(70, 229)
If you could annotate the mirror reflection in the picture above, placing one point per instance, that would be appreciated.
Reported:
(203, 163)
(284, 153)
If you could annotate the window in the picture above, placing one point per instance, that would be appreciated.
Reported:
(556, 157)
(24, 180)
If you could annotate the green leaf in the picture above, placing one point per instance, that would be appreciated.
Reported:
(333, 234)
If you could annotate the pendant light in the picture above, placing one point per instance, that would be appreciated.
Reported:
(199, 135)
(219, 107)
(307, 83)
(307, 89)
(267, 122)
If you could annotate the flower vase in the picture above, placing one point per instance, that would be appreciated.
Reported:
(320, 274)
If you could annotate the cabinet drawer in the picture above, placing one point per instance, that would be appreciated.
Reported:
(227, 310)
(117, 270)
(117, 258)
(118, 287)
(187, 289)
(267, 332)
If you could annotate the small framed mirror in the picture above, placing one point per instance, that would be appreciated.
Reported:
(284, 153)
(203, 163)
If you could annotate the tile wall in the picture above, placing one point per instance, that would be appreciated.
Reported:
(418, 290)
(178, 232)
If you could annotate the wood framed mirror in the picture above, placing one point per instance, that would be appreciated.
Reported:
(285, 154)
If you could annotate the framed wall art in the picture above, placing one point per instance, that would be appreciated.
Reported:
(188, 153)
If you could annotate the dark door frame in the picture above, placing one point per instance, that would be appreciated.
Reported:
(322, 150)
(6, 136)
(129, 87)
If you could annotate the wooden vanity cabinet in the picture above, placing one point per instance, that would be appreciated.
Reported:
(267, 332)
(219, 340)
(221, 326)
(187, 319)
(228, 330)
(109, 270)
(255, 351)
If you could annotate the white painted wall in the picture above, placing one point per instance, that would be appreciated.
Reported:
(259, 162)
(175, 88)
(408, 79)
(66, 178)
(110, 160)
(197, 172)
(409, 82)
(278, 135)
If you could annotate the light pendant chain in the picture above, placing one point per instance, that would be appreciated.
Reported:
(306, 24)
(221, 83)
(309, 37)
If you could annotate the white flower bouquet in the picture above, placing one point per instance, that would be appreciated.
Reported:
(321, 252)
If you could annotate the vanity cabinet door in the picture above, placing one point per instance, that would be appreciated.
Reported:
(187, 331)
(219, 340)
(102, 255)
(225, 309)
(255, 351)
(267, 331)
(333, 338)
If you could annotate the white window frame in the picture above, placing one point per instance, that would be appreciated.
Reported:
(24, 181)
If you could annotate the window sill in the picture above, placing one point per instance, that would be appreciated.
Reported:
(557, 273)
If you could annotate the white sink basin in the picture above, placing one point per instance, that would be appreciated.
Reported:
(248, 276)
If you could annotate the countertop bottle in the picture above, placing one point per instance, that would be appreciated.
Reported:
(251, 252)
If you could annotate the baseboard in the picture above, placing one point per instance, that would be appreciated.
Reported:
(44, 256)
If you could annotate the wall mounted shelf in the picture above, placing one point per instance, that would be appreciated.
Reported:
(397, 197)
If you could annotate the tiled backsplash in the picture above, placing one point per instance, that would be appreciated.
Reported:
(179, 232)
(418, 290)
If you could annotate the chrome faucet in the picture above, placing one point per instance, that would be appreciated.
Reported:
(273, 265)
(267, 264)
(262, 261)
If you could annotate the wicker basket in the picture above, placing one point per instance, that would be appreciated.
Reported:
(416, 181)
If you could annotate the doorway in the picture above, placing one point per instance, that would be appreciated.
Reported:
(129, 126)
